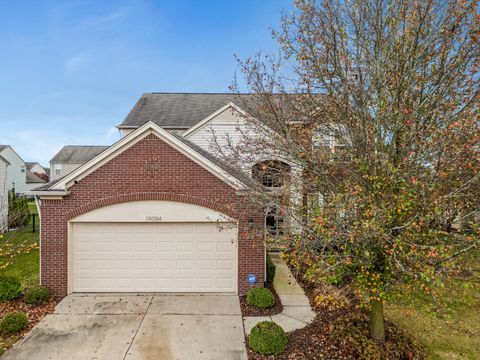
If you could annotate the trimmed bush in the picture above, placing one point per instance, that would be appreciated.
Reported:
(10, 288)
(13, 322)
(37, 295)
(267, 338)
(271, 269)
(261, 298)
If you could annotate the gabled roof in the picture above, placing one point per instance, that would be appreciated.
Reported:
(60, 187)
(29, 165)
(77, 154)
(176, 110)
(205, 121)
(33, 178)
(215, 160)
(4, 160)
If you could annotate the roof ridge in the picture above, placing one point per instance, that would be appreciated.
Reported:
(86, 145)
(197, 93)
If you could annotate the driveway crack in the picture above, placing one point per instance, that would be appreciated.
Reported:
(139, 326)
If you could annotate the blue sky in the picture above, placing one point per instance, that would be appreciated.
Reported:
(71, 70)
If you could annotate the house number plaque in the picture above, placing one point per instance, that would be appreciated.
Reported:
(153, 218)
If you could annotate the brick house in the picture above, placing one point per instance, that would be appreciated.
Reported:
(153, 212)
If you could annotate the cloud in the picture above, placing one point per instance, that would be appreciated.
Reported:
(75, 63)
(100, 20)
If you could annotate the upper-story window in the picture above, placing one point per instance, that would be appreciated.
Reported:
(334, 140)
(58, 169)
(22, 169)
(271, 173)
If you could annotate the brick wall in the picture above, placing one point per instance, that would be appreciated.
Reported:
(149, 170)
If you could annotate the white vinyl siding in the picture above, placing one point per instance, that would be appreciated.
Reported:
(15, 176)
(63, 169)
(225, 126)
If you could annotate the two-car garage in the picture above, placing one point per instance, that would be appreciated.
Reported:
(153, 246)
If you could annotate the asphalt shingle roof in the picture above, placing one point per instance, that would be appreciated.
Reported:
(176, 110)
(30, 164)
(34, 178)
(77, 154)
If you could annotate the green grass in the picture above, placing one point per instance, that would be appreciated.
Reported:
(453, 331)
(32, 207)
(25, 266)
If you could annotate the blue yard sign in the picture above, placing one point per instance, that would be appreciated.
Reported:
(252, 278)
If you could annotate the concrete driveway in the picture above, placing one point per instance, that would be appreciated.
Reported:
(144, 326)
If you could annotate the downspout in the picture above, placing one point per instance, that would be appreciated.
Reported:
(37, 203)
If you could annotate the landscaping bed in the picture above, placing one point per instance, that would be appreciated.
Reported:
(248, 310)
(34, 314)
(340, 331)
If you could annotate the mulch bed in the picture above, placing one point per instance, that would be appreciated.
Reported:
(248, 310)
(318, 340)
(34, 314)
(312, 342)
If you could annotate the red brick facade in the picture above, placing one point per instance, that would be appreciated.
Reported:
(149, 170)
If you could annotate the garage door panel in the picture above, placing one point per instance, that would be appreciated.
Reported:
(162, 257)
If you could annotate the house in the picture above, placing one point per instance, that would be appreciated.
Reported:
(157, 211)
(19, 178)
(36, 168)
(71, 157)
(3, 194)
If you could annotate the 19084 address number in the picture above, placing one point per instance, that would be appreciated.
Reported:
(153, 218)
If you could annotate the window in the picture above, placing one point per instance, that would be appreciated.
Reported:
(22, 169)
(333, 142)
(13, 187)
(271, 173)
(315, 201)
(274, 221)
(58, 169)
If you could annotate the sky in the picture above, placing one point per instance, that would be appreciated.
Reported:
(72, 70)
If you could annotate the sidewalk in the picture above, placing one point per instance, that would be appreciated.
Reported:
(296, 307)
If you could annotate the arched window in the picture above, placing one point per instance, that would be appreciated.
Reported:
(271, 173)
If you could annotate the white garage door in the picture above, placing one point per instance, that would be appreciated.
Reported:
(153, 257)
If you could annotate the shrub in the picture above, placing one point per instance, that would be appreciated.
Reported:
(18, 211)
(37, 295)
(261, 298)
(13, 322)
(271, 268)
(10, 288)
(267, 338)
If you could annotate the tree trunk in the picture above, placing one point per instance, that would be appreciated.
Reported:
(377, 326)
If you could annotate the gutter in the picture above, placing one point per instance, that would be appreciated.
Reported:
(48, 193)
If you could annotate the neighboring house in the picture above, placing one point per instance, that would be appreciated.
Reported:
(33, 180)
(16, 172)
(36, 168)
(71, 157)
(3, 194)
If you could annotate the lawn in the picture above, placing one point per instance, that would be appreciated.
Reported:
(25, 266)
(454, 331)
